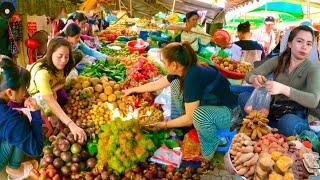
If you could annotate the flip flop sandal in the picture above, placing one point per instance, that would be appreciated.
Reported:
(27, 169)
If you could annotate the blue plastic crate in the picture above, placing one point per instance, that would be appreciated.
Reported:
(241, 89)
(228, 135)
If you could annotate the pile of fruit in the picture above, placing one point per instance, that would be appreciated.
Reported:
(122, 145)
(143, 69)
(274, 166)
(65, 158)
(243, 157)
(255, 125)
(81, 97)
(149, 115)
(117, 29)
(229, 64)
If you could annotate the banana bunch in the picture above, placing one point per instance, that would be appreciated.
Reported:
(88, 5)
(172, 18)
(255, 125)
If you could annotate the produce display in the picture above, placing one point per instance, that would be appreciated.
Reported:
(229, 65)
(114, 71)
(81, 97)
(143, 69)
(123, 52)
(65, 158)
(243, 156)
(272, 142)
(117, 30)
(274, 166)
(255, 125)
(119, 143)
(122, 145)
(149, 115)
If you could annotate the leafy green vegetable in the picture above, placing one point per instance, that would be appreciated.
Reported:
(115, 71)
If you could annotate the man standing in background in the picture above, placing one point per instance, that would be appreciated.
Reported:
(266, 35)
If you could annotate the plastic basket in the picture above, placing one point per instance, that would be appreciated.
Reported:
(228, 135)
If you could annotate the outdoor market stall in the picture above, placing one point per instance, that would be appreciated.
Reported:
(119, 144)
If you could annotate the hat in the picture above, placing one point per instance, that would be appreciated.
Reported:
(269, 20)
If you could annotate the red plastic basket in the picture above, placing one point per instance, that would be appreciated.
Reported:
(229, 74)
(133, 49)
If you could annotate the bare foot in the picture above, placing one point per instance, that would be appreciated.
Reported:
(23, 171)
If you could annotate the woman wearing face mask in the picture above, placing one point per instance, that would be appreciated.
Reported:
(190, 32)
(201, 96)
(18, 135)
(296, 82)
(48, 76)
(72, 34)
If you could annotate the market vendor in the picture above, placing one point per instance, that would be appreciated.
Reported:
(191, 32)
(72, 34)
(48, 76)
(296, 84)
(252, 51)
(201, 96)
(18, 135)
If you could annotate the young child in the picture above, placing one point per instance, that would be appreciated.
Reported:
(18, 136)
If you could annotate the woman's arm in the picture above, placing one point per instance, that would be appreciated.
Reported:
(308, 97)
(149, 87)
(91, 52)
(181, 27)
(182, 121)
(78, 133)
(56, 109)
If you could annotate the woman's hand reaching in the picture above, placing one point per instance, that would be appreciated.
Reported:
(78, 133)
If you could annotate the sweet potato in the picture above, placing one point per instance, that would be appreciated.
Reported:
(247, 149)
(239, 167)
(242, 171)
(252, 161)
(244, 158)
(250, 172)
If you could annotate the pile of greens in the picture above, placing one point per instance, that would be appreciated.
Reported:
(115, 71)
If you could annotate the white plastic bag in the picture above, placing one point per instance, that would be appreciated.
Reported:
(164, 99)
(259, 101)
(167, 156)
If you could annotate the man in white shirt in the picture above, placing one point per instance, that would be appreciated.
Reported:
(266, 35)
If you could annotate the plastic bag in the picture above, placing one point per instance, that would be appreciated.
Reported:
(167, 156)
(312, 137)
(259, 100)
(42, 104)
(164, 99)
(191, 149)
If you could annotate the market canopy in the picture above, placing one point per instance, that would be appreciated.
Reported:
(282, 10)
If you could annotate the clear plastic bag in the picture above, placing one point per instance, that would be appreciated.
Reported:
(191, 149)
(259, 101)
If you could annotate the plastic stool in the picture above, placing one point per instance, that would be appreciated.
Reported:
(225, 133)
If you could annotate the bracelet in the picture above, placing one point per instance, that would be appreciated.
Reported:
(69, 123)
(166, 125)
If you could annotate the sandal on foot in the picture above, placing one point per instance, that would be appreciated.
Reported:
(27, 169)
